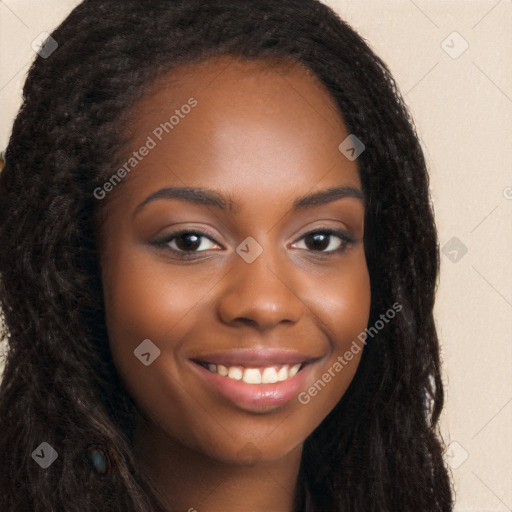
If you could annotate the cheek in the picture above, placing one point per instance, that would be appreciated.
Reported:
(145, 300)
(342, 309)
(341, 300)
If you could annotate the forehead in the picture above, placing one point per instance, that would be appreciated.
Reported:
(254, 123)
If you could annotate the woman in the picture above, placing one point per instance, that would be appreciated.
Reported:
(218, 262)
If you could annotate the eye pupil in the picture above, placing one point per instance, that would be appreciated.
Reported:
(320, 241)
(183, 244)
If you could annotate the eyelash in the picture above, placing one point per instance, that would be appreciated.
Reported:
(164, 241)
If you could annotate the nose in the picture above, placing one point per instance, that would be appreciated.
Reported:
(260, 294)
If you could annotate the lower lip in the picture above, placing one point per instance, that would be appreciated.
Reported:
(256, 397)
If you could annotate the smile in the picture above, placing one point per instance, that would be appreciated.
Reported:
(265, 375)
(258, 380)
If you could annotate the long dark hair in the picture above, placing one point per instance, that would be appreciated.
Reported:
(380, 448)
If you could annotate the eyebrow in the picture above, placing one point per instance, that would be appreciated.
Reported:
(225, 202)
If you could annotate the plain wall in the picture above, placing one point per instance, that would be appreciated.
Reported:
(462, 106)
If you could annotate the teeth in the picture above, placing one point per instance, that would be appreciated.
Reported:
(268, 375)
(235, 372)
(294, 369)
(282, 374)
(252, 376)
(221, 369)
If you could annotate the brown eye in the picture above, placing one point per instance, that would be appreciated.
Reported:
(185, 242)
(327, 241)
(317, 241)
(188, 242)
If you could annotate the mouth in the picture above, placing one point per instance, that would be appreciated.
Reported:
(255, 375)
(258, 381)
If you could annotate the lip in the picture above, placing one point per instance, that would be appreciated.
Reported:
(256, 398)
(251, 358)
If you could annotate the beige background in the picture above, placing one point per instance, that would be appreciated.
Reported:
(462, 105)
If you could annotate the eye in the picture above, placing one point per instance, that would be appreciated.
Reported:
(329, 241)
(185, 242)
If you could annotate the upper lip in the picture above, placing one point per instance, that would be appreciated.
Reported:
(254, 357)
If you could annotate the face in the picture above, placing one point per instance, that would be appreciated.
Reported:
(235, 246)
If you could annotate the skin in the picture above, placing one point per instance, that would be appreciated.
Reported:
(265, 133)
